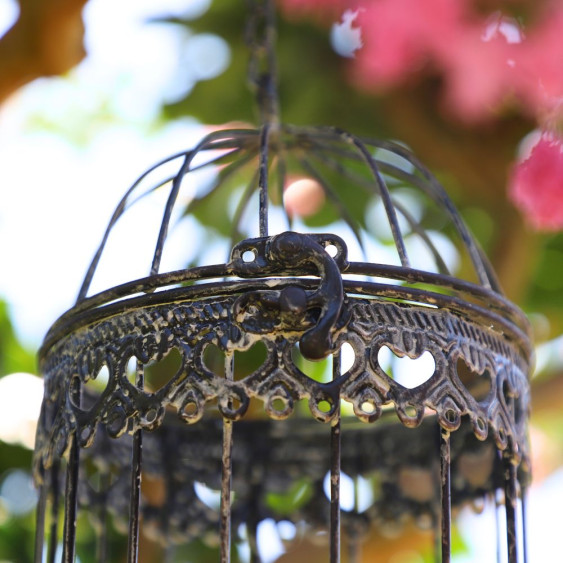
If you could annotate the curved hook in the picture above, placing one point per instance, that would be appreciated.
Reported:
(296, 253)
(298, 249)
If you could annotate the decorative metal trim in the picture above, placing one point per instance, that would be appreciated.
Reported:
(287, 313)
(285, 292)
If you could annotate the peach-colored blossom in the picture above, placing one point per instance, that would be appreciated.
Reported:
(303, 197)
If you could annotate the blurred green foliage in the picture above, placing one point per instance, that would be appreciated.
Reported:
(14, 356)
(16, 531)
(312, 85)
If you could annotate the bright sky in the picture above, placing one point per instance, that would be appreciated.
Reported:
(70, 147)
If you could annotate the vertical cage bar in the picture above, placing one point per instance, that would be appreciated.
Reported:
(71, 489)
(226, 477)
(385, 197)
(445, 482)
(335, 442)
(226, 492)
(252, 525)
(510, 502)
(54, 524)
(136, 469)
(102, 543)
(335, 454)
(263, 180)
(41, 513)
(176, 184)
(524, 524)
(497, 524)
(437, 532)
(40, 523)
(135, 498)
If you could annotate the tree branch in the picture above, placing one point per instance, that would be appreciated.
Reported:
(46, 40)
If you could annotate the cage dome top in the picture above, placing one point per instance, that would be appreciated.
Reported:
(364, 182)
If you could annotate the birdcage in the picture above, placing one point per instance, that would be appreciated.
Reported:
(191, 406)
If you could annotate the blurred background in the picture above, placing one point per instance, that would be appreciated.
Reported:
(93, 92)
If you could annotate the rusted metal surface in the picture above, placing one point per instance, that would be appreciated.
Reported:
(136, 477)
(335, 471)
(446, 494)
(227, 474)
(285, 292)
(511, 501)
(148, 330)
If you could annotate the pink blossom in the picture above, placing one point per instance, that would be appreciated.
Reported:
(539, 76)
(475, 56)
(536, 184)
(478, 72)
(401, 35)
(484, 61)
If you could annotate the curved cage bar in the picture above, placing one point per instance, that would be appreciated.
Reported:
(207, 378)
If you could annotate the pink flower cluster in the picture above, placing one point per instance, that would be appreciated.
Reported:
(484, 62)
(536, 184)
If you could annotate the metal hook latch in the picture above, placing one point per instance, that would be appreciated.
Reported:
(293, 253)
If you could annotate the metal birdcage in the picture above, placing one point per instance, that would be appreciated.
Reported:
(139, 455)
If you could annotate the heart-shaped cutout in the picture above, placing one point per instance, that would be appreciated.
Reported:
(157, 373)
(479, 385)
(245, 362)
(407, 372)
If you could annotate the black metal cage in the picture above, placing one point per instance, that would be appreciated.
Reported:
(290, 297)
(182, 407)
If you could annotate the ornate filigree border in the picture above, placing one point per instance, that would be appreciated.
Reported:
(148, 333)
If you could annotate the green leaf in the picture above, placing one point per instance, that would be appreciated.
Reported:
(14, 356)
(293, 499)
